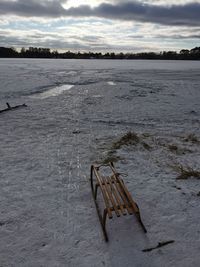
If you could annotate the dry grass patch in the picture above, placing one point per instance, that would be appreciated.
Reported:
(186, 172)
(192, 138)
(129, 139)
(146, 146)
(173, 148)
(110, 157)
(178, 150)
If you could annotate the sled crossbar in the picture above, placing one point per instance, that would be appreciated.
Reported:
(116, 196)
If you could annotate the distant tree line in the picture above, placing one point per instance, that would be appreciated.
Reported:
(35, 52)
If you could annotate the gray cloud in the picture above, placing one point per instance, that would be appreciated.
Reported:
(51, 40)
(178, 36)
(70, 42)
(36, 8)
(187, 14)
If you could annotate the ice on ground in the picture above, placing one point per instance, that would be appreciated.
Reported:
(97, 96)
(71, 72)
(53, 92)
(111, 83)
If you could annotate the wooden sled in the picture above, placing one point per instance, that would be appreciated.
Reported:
(116, 197)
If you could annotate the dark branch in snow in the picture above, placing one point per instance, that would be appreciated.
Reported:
(160, 244)
(12, 108)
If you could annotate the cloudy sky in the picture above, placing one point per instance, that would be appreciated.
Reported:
(101, 25)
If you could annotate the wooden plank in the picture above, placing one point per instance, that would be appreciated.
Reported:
(116, 195)
(123, 197)
(106, 200)
(129, 197)
(132, 202)
(109, 192)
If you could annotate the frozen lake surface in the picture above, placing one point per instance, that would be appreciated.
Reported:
(76, 110)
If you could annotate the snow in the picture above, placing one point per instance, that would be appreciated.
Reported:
(111, 83)
(47, 214)
(53, 92)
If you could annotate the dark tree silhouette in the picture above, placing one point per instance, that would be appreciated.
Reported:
(38, 52)
(8, 52)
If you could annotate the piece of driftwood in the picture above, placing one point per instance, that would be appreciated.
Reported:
(12, 108)
(160, 244)
(116, 196)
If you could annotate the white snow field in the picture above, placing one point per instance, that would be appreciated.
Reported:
(77, 110)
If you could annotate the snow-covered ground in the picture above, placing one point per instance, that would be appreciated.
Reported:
(76, 110)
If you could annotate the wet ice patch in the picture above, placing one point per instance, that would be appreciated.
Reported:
(111, 83)
(71, 73)
(97, 96)
(53, 92)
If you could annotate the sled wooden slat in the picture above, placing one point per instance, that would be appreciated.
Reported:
(125, 189)
(116, 196)
(110, 195)
(119, 203)
(123, 197)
